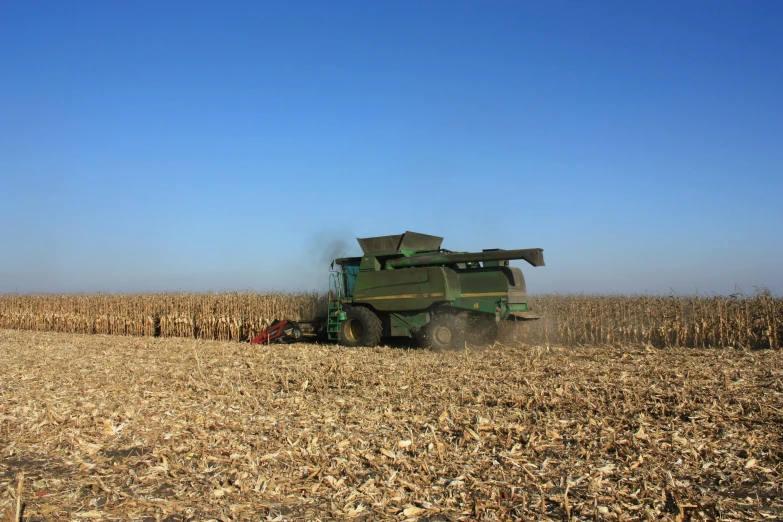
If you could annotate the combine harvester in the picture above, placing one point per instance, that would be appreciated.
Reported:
(406, 285)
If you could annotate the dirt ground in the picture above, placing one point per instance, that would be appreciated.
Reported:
(120, 428)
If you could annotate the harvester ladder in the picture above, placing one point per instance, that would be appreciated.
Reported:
(335, 307)
(333, 320)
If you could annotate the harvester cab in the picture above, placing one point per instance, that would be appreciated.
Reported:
(406, 285)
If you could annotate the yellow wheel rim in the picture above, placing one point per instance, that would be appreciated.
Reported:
(353, 330)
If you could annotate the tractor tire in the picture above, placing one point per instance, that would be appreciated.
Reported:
(360, 328)
(445, 332)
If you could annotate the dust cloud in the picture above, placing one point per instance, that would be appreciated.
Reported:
(327, 246)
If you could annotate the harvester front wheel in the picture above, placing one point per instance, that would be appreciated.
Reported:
(360, 328)
(445, 332)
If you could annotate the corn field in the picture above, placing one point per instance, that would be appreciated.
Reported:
(661, 321)
(230, 316)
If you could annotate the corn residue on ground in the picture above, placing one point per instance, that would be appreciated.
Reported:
(132, 428)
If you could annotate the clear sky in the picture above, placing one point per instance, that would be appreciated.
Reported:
(150, 146)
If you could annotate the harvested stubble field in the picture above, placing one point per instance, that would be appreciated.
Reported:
(128, 428)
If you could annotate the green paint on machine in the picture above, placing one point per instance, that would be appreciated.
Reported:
(406, 285)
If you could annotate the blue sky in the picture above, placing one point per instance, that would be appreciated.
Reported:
(149, 146)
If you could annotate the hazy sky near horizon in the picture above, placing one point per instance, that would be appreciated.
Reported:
(151, 146)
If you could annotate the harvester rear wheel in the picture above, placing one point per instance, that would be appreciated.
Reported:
(360, 328)
(445, 332)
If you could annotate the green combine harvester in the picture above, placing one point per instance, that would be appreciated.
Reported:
(406, 285)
